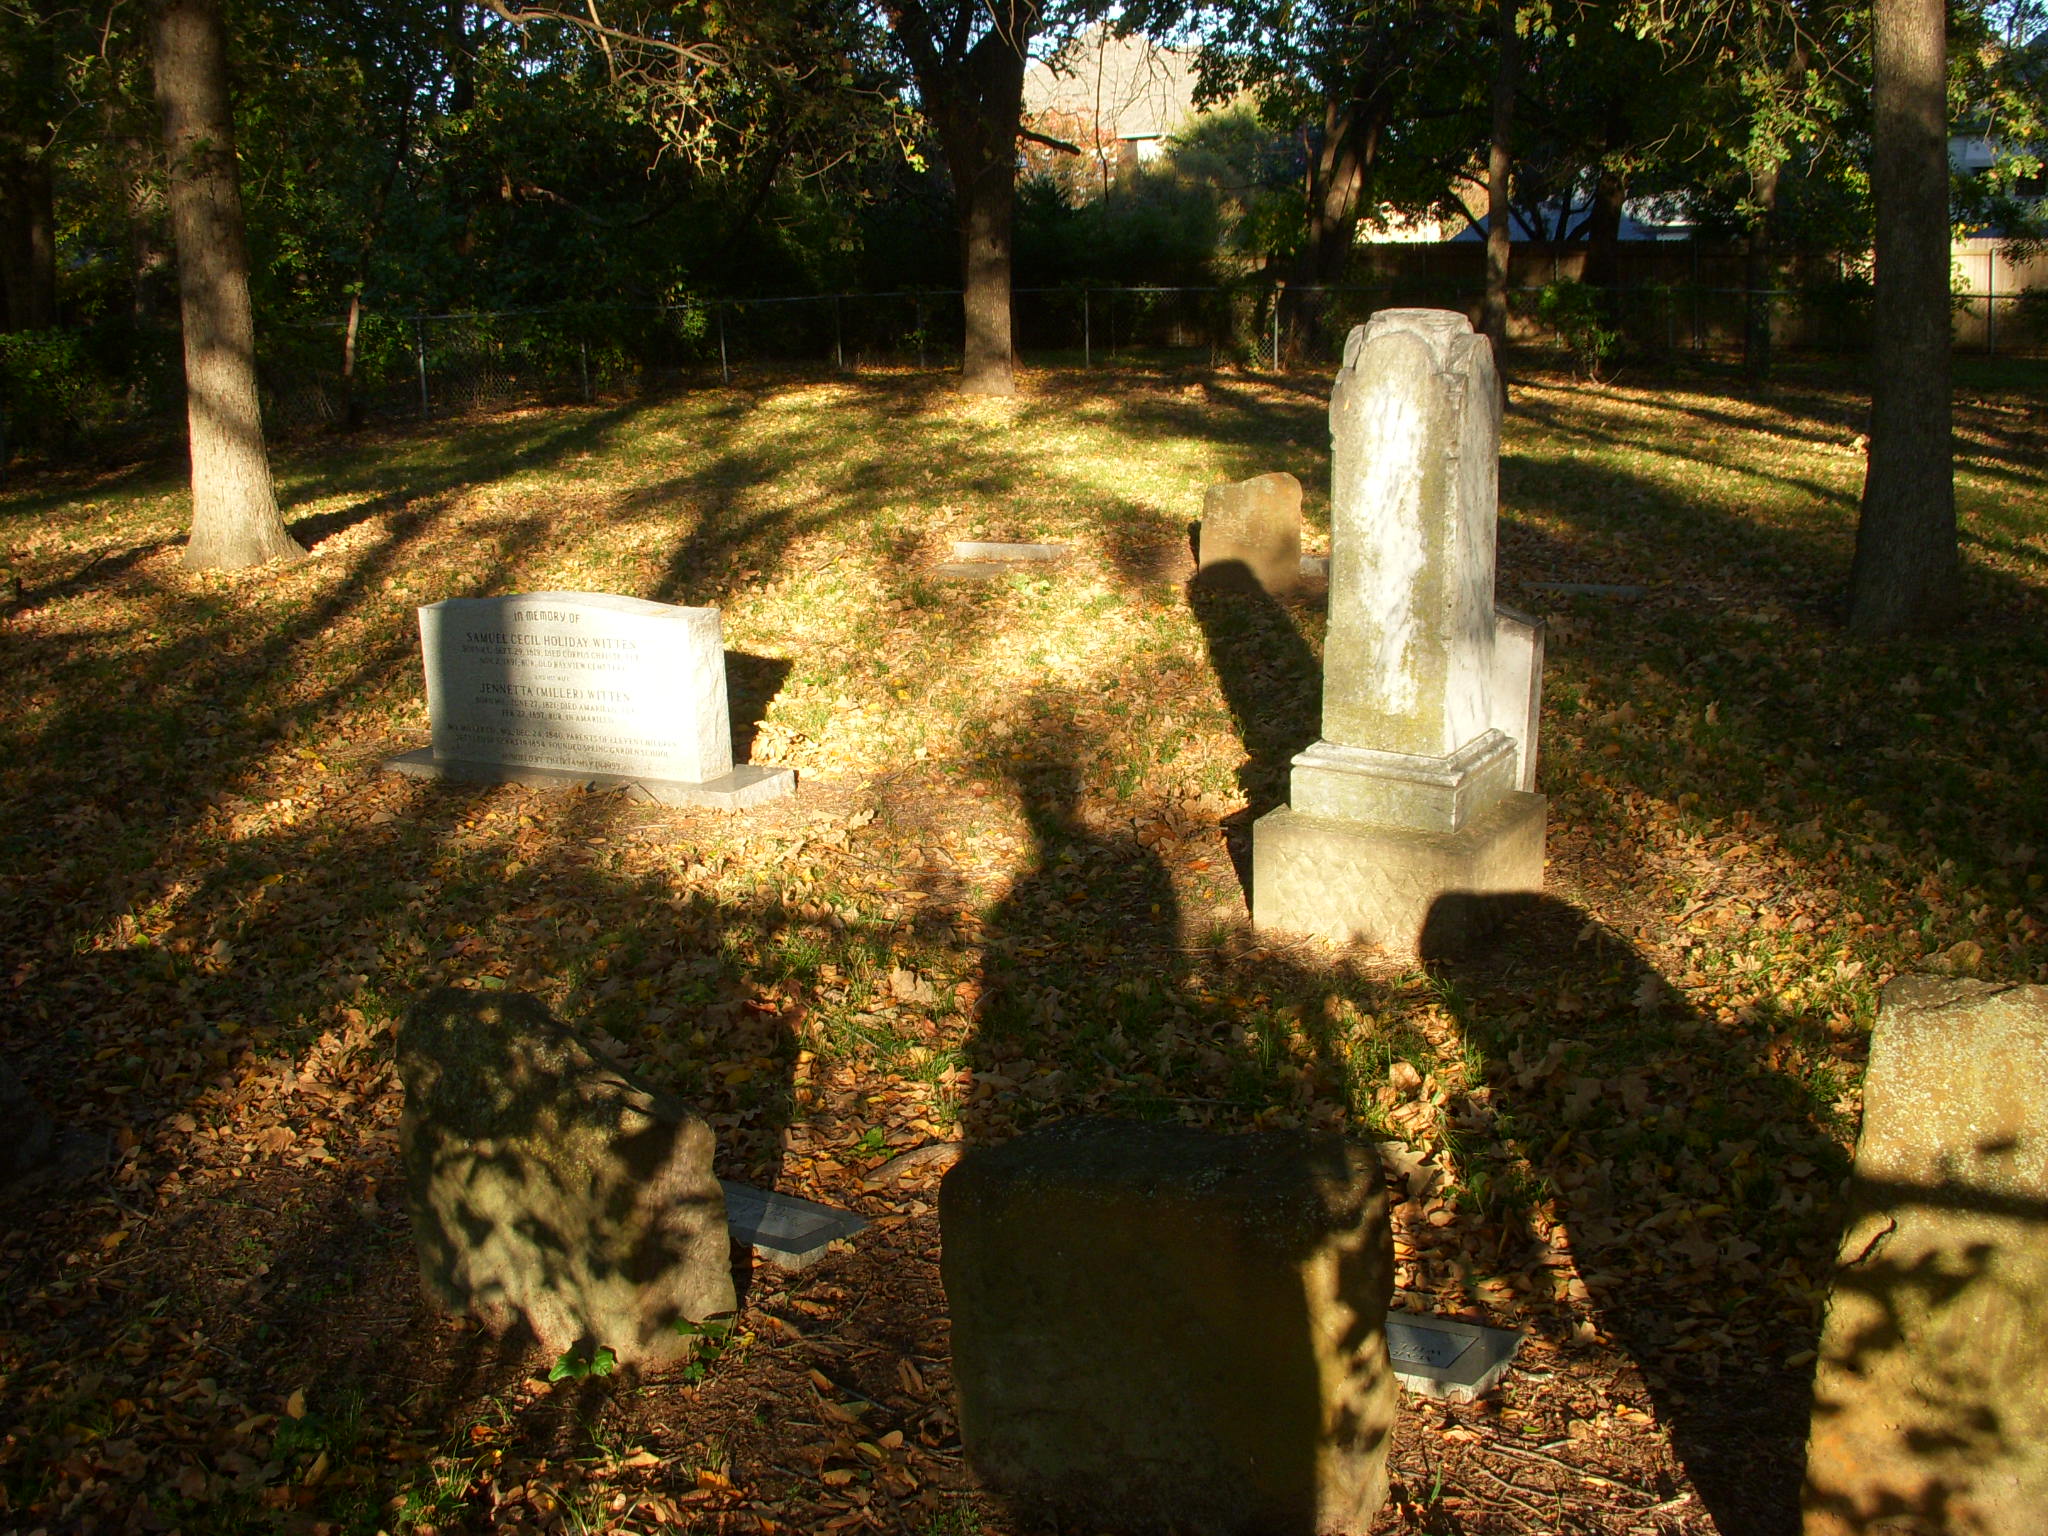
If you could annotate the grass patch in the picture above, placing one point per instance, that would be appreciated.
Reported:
(1008, 888)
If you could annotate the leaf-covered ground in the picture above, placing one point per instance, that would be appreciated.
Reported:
(1010, 887)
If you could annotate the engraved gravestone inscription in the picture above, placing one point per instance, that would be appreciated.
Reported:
(579, 680)
(583, 687)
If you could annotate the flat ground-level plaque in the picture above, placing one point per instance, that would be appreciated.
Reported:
(785, 1229)
(583, 688)
(1443, 1357)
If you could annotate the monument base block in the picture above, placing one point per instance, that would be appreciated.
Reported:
(746, 785)
(1413, 893)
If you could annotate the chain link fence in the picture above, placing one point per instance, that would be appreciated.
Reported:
(439, 365)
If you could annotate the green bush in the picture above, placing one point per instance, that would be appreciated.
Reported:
(1574, 311)
(47, 386)
(2029, 314)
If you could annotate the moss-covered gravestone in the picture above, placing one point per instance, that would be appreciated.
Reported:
(1251, 534)
(1157, 1328)
(1930, 1398)
(1410, 824)
(544, 1186)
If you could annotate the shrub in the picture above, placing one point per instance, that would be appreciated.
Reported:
(47, 386)
(1575, 312)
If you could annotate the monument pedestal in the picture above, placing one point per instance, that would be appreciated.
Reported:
(1414, 818)
(746, 785)
(1413, 892)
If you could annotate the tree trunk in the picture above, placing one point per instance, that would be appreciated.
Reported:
(1760, 278)
(1761, 266)
(972, 90)
(235, 520)
(149, 263)
(978, 133)
(1603, 235)
(986, 207)
(1906, 575)
(1336, 182)
(1499, 231)
(461, 58)
(29, 213)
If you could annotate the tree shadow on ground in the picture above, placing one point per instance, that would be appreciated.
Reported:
(1272, 680)
(1636, 1151)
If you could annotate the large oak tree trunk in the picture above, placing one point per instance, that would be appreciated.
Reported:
(28, 226)
(1499, 163)
(972, 88)
(149, 261)
(1760, 277)
(1336, 180)
(235, 520)
(980, 142)
(1603, 235)
(1906, 575)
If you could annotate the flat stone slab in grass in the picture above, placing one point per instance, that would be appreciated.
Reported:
(785, 1229)
(1588, 588)
(563, 688)
(544, 1186)
(746, 785)
(1158, 1328)
(1930, 1397)
(1446, 1357)
(980, 549)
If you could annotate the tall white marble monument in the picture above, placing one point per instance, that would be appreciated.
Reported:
(1414, 808)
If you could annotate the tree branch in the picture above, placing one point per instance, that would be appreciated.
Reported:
(1047, 140)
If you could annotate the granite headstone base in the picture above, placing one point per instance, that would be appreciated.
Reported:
(745, 786)
(1412, 893)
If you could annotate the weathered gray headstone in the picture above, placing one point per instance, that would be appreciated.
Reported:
(584, 688)
(1407, 816)
(1251, 533)
(1518, 687)
(544, 1186)
(1159, 1328)
(1930, 1398)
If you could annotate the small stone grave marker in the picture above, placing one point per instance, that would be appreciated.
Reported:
(584, 688)
(985, 560)
(1444, 1357)
(1930, 1396)
(1161, 1328)
(785, 1229)
(1251, 533)
(545, 1186)
(1619, 589)
(978, 549)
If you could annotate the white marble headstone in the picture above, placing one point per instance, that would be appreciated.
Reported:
(586, 682)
